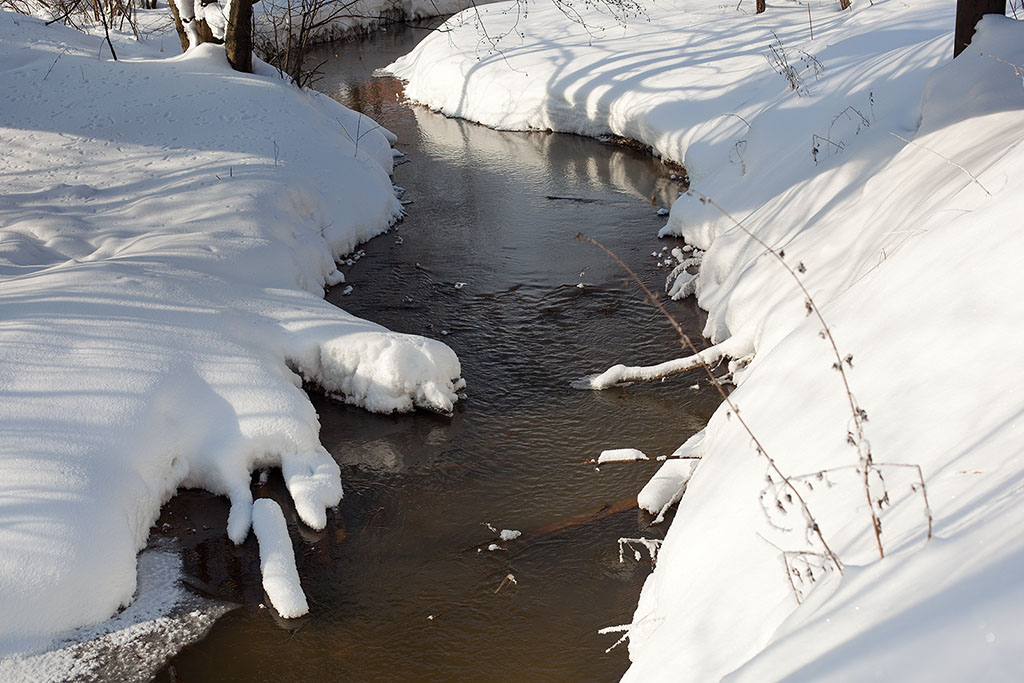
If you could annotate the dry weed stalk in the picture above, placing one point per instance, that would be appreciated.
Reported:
(687, 343)
(778, 58)
(1018, 69)
(855, 435)
(946, 159)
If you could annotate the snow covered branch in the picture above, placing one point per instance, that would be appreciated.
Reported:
(618, 375)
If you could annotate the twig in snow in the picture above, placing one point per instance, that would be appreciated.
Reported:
(946, 159)
(53, 65)
(1017, 68)
(816, 146)
(796, 560)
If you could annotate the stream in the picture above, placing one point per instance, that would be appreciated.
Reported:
(402, 584)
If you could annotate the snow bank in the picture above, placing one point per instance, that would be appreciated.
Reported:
(908, 248)
(277, 560)
(166, 230)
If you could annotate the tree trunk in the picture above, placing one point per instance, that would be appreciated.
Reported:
(182, 36)
(238, 39)
(759, 7)
(968, 14)
(205, 34)
(237, 36)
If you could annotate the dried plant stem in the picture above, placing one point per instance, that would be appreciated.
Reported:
(946, 159)
(924, 489)
(1017, 68)
(856, 412)
(686, 342)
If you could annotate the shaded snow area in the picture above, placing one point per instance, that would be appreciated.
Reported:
(884, 175)
(133, 645)
(166, 230)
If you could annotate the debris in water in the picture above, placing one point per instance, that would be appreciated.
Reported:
(509, 579)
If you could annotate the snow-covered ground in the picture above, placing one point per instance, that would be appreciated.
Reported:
(882, 173)
(167, 227)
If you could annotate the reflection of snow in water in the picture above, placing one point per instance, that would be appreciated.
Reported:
(134, 644)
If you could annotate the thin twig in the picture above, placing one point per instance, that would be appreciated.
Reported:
(53, 65)
(944, 158)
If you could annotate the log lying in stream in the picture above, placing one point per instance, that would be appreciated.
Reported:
(529, 537)
(580, 520)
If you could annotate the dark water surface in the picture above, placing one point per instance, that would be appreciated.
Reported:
(398, 589)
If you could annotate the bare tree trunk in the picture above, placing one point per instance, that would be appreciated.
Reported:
(205, 34)
(759, 5)
(237, 36)
(182, 36)
(238, 39)
(968, 14)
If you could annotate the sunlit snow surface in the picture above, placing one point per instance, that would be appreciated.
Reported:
(166, 229)
(910, 249)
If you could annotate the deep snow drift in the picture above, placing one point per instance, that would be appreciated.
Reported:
(884, 174)
(166, 230)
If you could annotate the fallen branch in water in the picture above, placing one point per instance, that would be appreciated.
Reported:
(622, 374)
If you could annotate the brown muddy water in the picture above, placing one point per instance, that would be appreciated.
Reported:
(401, 584)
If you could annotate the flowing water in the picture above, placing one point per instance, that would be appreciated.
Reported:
(402, 585)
